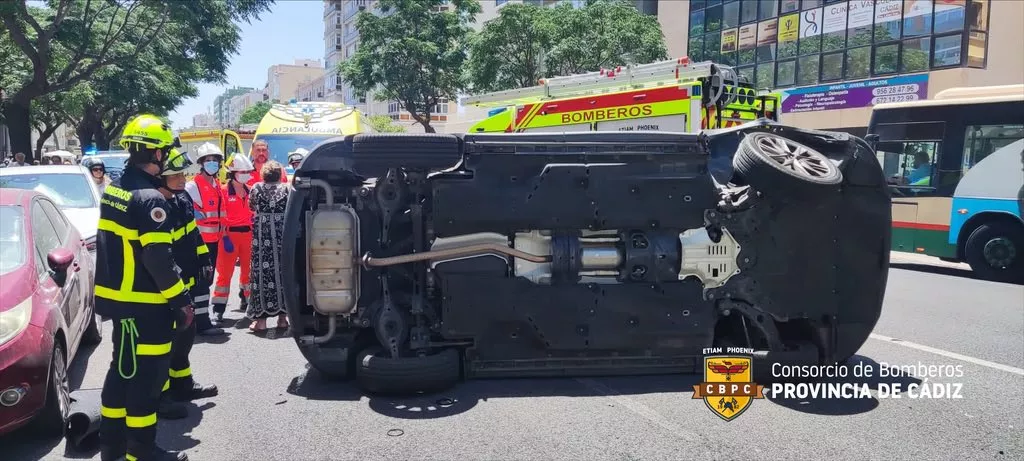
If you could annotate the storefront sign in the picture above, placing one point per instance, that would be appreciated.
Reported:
(856, 94)
(728, 40)
(789, 28)
(766, 31)
(810, 23)
(748, 36)
(835, 18)
(888, 10)
(861, 13)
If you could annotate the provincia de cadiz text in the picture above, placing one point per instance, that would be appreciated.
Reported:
(864, 380)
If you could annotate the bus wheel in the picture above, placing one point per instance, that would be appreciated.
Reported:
(995, 251)
(771, 162)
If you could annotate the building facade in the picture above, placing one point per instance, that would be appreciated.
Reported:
(203, 120)
(238, 104)
(834, 59)
(222, 105)
(313, 90)
(284, 80)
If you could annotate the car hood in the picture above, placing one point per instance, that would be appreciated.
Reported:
(86, 220)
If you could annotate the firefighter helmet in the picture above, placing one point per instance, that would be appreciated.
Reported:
(147, 130)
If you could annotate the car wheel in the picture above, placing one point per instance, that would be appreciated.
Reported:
(375, 153)
(378, 373)
(995, 251)
(770, 162)
(94, 332)
(53, 418)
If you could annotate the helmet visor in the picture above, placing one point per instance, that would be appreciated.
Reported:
(178, 163)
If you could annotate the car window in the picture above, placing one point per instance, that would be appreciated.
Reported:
(60, 223)
(69, 190)
(43, 234)
(13, 247)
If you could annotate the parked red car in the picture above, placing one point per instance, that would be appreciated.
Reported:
(46, 309)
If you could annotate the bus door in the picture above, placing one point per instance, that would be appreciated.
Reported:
(911, 157)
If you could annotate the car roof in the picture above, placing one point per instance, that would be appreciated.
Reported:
(21, 197)
(43, 169)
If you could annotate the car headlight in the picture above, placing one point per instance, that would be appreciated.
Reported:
(13, 321)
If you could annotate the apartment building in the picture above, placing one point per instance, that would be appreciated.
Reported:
(222, 104)
(313, 90)
(203, 120)
(833, 58)
(284, 80)
(238, 104)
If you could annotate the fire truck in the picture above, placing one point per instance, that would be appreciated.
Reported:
(670, 95)
(229, 141)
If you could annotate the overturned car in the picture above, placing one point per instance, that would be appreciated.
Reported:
(420, 260)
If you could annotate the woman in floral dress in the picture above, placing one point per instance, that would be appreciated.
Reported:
(267, 200)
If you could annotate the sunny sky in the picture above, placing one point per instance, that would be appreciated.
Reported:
(293, 29)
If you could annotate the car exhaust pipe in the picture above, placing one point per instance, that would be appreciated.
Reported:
(332, 327)
(458, 252)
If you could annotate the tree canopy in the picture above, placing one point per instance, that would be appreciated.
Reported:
(254, 113)
(384, 124)
(413, 53)
(151, 51)
(525, 42)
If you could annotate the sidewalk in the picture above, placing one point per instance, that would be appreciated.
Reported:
(896, 257)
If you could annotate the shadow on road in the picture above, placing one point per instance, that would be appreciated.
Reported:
(841, 406)
(174, 434)
(942, 270)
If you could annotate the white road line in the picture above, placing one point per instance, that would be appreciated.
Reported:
(952, 355)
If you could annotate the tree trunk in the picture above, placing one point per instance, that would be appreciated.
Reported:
(426, 126)
(44, 134)
(17, 117)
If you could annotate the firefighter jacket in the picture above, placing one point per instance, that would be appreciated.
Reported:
(190, 252)
(135, 267)
(237, 214)
(209, 207)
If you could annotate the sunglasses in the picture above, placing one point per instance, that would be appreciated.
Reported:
(97, 169)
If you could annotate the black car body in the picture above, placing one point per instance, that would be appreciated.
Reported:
(439, 256)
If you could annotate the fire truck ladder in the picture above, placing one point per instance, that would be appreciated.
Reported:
(722, 79)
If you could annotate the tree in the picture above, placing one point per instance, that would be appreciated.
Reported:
(53, 110)
(97, 34)
(413, 53)
(255, 113)
(509, 51)
(384, 124)
(602, 34)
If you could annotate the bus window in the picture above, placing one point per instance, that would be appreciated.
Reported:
(909, 165)
(982, 140)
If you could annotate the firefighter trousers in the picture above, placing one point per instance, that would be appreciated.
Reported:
(138, 371)
(242, 252)
(201, 300)
(180, 379)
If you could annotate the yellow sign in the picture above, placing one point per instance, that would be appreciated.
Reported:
(729, 40)
(789, 28)
(728, 388)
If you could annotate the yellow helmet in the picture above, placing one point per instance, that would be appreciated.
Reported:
(149, 131)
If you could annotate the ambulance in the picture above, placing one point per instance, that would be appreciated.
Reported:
(671, 95)
(229, 141)
(287, 127)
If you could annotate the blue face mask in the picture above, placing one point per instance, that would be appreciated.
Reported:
(211, 167)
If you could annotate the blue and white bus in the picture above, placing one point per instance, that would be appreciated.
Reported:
(955, 165)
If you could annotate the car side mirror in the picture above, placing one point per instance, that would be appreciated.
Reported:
(60, 260)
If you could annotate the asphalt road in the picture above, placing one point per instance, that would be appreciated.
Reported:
(270, 408)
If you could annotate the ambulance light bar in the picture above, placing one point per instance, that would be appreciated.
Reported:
(600, 82)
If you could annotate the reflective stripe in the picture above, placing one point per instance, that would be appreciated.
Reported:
(121, 231)
(181, 373)
(190, 283)
(220, 299)
(129, 296)
(201, 298)
(140, 421)
(178, 234)
(174, 290)
(202, 250)
(114, 413)
(129, 457)
(191, 226)
(155, 237)
(205, 229)
(153, 349)
(167, 385)
(202, 310)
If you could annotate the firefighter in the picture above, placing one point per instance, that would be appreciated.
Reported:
(192, 256)
(205, 192)
(237, 240)
(138, 286)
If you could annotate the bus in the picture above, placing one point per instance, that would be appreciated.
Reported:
(955, 166)
(670, 95)
(287, 127)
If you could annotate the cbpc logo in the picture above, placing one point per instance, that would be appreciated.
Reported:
(728, 388)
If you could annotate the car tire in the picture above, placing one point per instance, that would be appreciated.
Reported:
(378, 373)
(93, 334)
(770, 162)
(52, 419)
(380, 151)
(1002, 241)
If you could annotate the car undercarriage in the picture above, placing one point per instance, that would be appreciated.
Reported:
(420, 260)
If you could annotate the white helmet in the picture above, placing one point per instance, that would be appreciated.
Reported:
(240, 163)
(208, 149)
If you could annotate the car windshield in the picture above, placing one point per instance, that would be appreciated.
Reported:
(113, 162)
(69, 190)
(12, 238)
(281, 144)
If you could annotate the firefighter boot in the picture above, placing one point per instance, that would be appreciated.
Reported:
(171, 409)
(197, 391)
(112, 452)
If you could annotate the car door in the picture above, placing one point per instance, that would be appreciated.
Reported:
(51, 231)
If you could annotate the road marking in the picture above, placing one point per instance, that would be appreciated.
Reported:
(952, 355)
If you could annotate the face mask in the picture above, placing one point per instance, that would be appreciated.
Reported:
(211, 167)
(243, 177)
